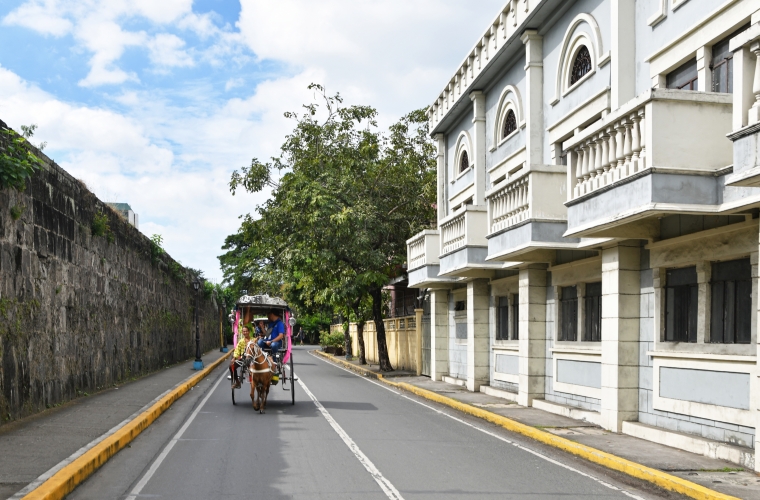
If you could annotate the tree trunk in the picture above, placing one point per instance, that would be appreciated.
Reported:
(360, 336)
(377, 313)
(347, 339)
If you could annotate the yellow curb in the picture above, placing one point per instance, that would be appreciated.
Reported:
(65, 480)
(661, 479)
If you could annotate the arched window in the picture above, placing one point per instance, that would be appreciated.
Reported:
(581, 65)
(464, 162)
(510, 124)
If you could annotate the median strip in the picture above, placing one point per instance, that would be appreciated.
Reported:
(65, 480)
(639, 471)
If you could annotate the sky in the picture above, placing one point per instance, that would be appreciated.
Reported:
(155, 102)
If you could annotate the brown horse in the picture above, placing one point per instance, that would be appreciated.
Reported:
(260, 372)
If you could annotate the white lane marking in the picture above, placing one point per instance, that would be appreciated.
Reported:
(154, 467)
(485, 431)
(387, 487)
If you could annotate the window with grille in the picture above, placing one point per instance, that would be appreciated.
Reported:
(592, 331)
(681, 305)
(510, 124)
(581, 65)
(515, 317)
(731, 308)
(502, 330)
(464, 162)
(568, 312)
(684, 77)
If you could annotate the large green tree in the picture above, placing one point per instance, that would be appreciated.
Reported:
(344, 199)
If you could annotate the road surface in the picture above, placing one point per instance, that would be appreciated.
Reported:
(346, 437)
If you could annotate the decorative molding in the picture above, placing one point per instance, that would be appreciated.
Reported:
(569, 42)
(507, 102)
(660, 15)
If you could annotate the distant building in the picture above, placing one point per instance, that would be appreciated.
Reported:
(126, 211)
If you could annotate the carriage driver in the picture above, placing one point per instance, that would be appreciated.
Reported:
(238, 353)
(277, 332)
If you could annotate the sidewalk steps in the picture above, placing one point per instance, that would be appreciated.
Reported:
(593, 417)
(498, 393)
(454, 381)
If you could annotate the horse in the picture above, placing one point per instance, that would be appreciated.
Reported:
(260, 373)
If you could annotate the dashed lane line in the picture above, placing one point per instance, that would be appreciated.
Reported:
(387, 487)
(485, 431)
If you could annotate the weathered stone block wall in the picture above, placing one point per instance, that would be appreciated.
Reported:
(79, 312)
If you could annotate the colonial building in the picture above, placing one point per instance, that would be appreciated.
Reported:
(596, 251)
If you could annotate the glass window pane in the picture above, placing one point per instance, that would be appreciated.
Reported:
(743, 312)
(716, 313)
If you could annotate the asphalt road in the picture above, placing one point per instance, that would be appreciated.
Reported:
(354, 438)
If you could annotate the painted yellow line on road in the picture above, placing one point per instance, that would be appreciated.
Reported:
(65, 480)
(654, 476)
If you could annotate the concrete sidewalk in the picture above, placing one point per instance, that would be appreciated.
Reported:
(31, 447)
(718, 475)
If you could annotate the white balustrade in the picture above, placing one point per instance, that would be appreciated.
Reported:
(493, 40)
(417, 255)
(510, 204)
(453, 234)
(615, 152)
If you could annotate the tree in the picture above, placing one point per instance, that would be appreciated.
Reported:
(348, 197)
(17, 160)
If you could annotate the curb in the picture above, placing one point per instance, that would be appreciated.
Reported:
(639, 471)
(65, 480)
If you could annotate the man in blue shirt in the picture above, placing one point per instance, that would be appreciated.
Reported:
(276, 334)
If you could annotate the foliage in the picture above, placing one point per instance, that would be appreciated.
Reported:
(100, 227)
(157, 250)
(348, 197)
(17, 211)
(327, 339)
(17, 161)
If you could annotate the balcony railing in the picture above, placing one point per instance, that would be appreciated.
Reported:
(453, 234)
(510, 204)
(688, 127)
(466, 228)
(422, 249)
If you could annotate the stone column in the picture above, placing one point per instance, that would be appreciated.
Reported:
(439, 333)
(534, 98)
(478, 337)
(418, 337)
(623, 59)
(704, 73)
(441, 170)
(621, 292)
(479, 145)
(532, 326)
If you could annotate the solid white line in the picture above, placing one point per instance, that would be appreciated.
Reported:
(484, 431)
(390, 491)
(81, 451)
(154, 467)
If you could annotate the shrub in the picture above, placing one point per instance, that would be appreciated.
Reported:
(100, 225)
(17, 161)
(17, 211)
(327, 339)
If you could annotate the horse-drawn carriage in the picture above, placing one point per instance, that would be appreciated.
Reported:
(250, 309)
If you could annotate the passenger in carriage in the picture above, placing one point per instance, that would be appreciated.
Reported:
(273, 341)
(238, 353)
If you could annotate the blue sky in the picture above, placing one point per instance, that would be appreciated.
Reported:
(155, 102)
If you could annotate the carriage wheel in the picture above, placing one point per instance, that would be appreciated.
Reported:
(292, 381)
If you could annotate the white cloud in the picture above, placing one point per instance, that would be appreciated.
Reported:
(167, 50)
(233, 83)
(396, 54)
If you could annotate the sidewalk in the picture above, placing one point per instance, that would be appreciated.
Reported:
(33, 446)
(718, 475)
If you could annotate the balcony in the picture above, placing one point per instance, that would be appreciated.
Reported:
(664, 152)
(423, 265)
(526, 214)
(464, 246)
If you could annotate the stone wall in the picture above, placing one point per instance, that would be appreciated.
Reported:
(78, 311)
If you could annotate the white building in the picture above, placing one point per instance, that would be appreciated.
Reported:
(596, 252)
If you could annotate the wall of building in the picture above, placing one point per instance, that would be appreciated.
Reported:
(80, 312)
